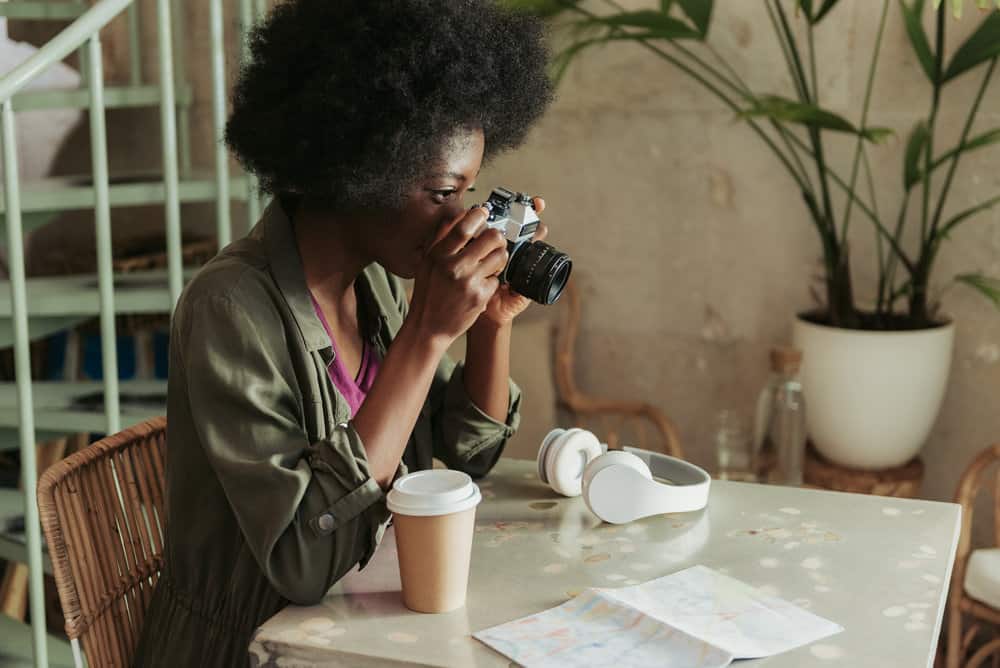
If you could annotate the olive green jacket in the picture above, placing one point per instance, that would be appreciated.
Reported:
(270, 498)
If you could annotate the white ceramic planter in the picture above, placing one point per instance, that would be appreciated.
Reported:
(872, 397)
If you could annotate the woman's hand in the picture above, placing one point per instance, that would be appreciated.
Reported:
(505, 305)
(458, 277)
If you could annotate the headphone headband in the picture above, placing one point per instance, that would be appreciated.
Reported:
(620, 485)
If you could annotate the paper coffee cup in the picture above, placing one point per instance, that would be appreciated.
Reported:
(434, 515)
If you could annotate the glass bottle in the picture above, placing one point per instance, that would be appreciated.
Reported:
(733, 447)
(780, 424)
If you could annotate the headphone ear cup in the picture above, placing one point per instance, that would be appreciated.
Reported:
(567, 458)
(543, 452)
(610, 458)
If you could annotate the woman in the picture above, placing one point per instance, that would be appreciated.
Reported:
(301, 382)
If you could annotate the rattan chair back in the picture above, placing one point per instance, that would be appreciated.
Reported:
(102, 510)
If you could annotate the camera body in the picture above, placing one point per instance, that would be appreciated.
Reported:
(513, 214)
(534, 269)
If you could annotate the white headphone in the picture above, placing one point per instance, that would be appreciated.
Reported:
(618, 485)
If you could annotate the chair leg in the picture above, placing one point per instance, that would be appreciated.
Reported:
(954, 656)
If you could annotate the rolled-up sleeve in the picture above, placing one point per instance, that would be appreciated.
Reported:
(465, 437)
(309, 512)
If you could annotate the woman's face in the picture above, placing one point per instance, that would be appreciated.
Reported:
(400, 238)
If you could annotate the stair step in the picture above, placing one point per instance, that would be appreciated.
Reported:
(15, 650)
(42, 9)
(77, 295)
(115, 97)
(71, 193)
(11, 507)
(63, 408)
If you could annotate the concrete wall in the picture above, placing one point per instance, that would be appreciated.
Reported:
(692, 245)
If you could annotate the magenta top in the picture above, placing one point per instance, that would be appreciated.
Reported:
(353, 389)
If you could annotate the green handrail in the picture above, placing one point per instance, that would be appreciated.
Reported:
(83, 36)
(60, 46)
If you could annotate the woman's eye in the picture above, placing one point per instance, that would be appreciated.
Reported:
(442, 195)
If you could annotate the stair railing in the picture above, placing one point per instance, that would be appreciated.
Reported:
(83, 34)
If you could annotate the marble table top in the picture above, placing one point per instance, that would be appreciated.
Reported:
(877, 566)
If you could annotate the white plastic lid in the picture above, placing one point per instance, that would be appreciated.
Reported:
(433, 492)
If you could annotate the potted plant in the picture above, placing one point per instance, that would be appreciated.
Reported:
(874, 374)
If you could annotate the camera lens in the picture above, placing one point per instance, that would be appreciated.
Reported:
(538, 271)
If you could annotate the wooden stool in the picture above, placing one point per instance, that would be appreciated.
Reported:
(902, 481)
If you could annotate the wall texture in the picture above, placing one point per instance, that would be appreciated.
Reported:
(692, 245)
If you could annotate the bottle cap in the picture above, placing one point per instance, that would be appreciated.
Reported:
(786, 360)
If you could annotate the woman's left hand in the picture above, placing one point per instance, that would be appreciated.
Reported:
(505, 305)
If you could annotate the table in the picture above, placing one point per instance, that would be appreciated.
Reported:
(878, 566)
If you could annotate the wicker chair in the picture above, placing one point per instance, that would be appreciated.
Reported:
(102, 510)
(618, 422)
(961, 603)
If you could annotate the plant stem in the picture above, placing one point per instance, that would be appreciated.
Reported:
(864, 122)
(814, 132)
(893, 243)
(879, 249)
(778, 127)
(961, 142)
(812, 62)
(799, 83)
(918, 295)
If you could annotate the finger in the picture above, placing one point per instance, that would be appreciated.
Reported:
(491, 285)
(478, 249)
(539, 204)
(493, 264)
(454, 236)
(541, 232)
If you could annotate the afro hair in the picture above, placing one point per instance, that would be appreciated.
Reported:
(350, 101)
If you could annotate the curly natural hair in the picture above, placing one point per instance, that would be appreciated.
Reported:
(350, 101)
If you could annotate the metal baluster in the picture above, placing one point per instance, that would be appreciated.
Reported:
(22, 372)
(134, 49)
(253, 194)
(223, 222)
(180, 70)
(168, 128)
(102, 219)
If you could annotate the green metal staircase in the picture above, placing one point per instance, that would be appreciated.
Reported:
(35, 308)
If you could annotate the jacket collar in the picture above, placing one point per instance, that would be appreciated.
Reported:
(278, 235)
(286, 267)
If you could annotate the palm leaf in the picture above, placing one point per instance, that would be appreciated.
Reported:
(918, 38)
(982, 45)
(914, 149)
(960, 218)
(700, 13)
(985, 139)
(792, 111)
(824, 10)
(655, 24)
(987, 286)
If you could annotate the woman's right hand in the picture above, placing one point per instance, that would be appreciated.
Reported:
(457, 277)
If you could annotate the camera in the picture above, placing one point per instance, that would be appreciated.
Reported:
(534, 269)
